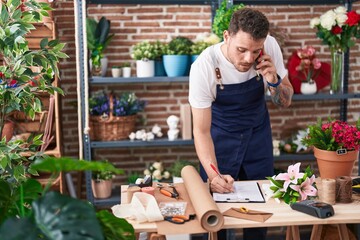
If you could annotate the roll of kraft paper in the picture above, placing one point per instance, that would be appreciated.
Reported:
(206, 209)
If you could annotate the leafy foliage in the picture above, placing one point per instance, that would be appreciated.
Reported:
(98, 38)
(333, 135)
(51, 215)
(148, 50)
(123, 105)
(223, 16)
(198, 47)
(179, 46)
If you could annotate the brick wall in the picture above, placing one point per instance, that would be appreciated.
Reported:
(134, 23)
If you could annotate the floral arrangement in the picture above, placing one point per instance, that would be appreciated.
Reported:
(333, 135)
(337, 28)
(309, 66)
(148, 50)
(157, 171)
(294, 185)
(124, 105)
(178, 46)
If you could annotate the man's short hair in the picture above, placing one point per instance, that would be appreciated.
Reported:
(250, 21)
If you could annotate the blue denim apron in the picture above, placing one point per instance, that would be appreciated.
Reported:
(241, 131)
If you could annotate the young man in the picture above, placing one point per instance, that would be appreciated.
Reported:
(231, 122)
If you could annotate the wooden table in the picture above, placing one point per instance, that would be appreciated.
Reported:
(283, 215)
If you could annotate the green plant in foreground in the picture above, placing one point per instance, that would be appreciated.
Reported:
(50, 215)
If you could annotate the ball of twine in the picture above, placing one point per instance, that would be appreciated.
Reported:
(328, 191)
(343, 189)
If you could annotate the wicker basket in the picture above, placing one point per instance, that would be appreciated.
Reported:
(111, 128)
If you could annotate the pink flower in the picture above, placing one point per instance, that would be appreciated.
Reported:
(306, 189)
(291, 176)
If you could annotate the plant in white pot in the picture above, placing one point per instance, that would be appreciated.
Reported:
(126, 69)
(116, 71)
(145, 54)
(101, 183)
(98, 38)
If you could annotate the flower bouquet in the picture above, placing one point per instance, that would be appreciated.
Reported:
(157, 171)
(337, 28)
(293, 186)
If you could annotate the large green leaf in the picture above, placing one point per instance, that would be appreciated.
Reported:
(115, 228)
(61, 217)
(16, 229)
(51, 164)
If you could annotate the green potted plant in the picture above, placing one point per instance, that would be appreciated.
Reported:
(148, 55)
(144, 54)
(116, 71)
(223, 16)
(20, 83)
(113, 117)
(126, 69)
(176, 168)
(197, 48)
(176, 57)
(336, 146)
(98, 38)
(51, 215)
(101, 183)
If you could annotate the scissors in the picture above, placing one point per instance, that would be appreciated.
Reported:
(179, 219)
(173, 194)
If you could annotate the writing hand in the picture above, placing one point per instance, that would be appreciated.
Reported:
(222, 185)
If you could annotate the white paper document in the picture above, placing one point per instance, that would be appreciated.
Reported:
(244, 191)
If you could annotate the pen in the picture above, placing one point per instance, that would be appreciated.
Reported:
(215, 170)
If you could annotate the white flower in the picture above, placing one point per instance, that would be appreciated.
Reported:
(314, 22)
(341, 18)
(149, 136)
(166, 175)
(147, 172)
(159, 134)
(157, 174)
(139, 134)
(327, 20)
(158, 166)
(340, 10)
(156, 129)
(132, 136)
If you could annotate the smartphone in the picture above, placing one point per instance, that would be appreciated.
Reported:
(257, 59)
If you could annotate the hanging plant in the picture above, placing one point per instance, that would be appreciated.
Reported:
(223, 16)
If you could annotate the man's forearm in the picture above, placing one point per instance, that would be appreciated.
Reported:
(281, 95)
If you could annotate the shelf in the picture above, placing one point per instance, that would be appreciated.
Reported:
(208, 2)
(121, 80)
(111, 201)
(138, 143)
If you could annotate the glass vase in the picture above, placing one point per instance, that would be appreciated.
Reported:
(337, 66)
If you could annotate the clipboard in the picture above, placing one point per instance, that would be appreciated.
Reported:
(245, 191)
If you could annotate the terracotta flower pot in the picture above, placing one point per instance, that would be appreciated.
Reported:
(102, 188)
(8, 130)
(332, 165)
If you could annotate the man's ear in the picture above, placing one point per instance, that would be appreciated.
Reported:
(226, 36)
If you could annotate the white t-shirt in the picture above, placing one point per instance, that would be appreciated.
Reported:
(202, 86)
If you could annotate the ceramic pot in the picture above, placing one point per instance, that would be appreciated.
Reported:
(126, 71)
(101, 188)
(332, 165)
(8, 130)
(145, 68)
(308, 88)
(116, 72)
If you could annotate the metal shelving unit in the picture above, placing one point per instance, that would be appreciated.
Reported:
(80, 7)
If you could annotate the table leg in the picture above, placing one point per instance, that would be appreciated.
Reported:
(316, 232)
(292, 233)
(212, 236)
(343, 232)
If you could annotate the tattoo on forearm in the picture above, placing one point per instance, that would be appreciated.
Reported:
(281, 95)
